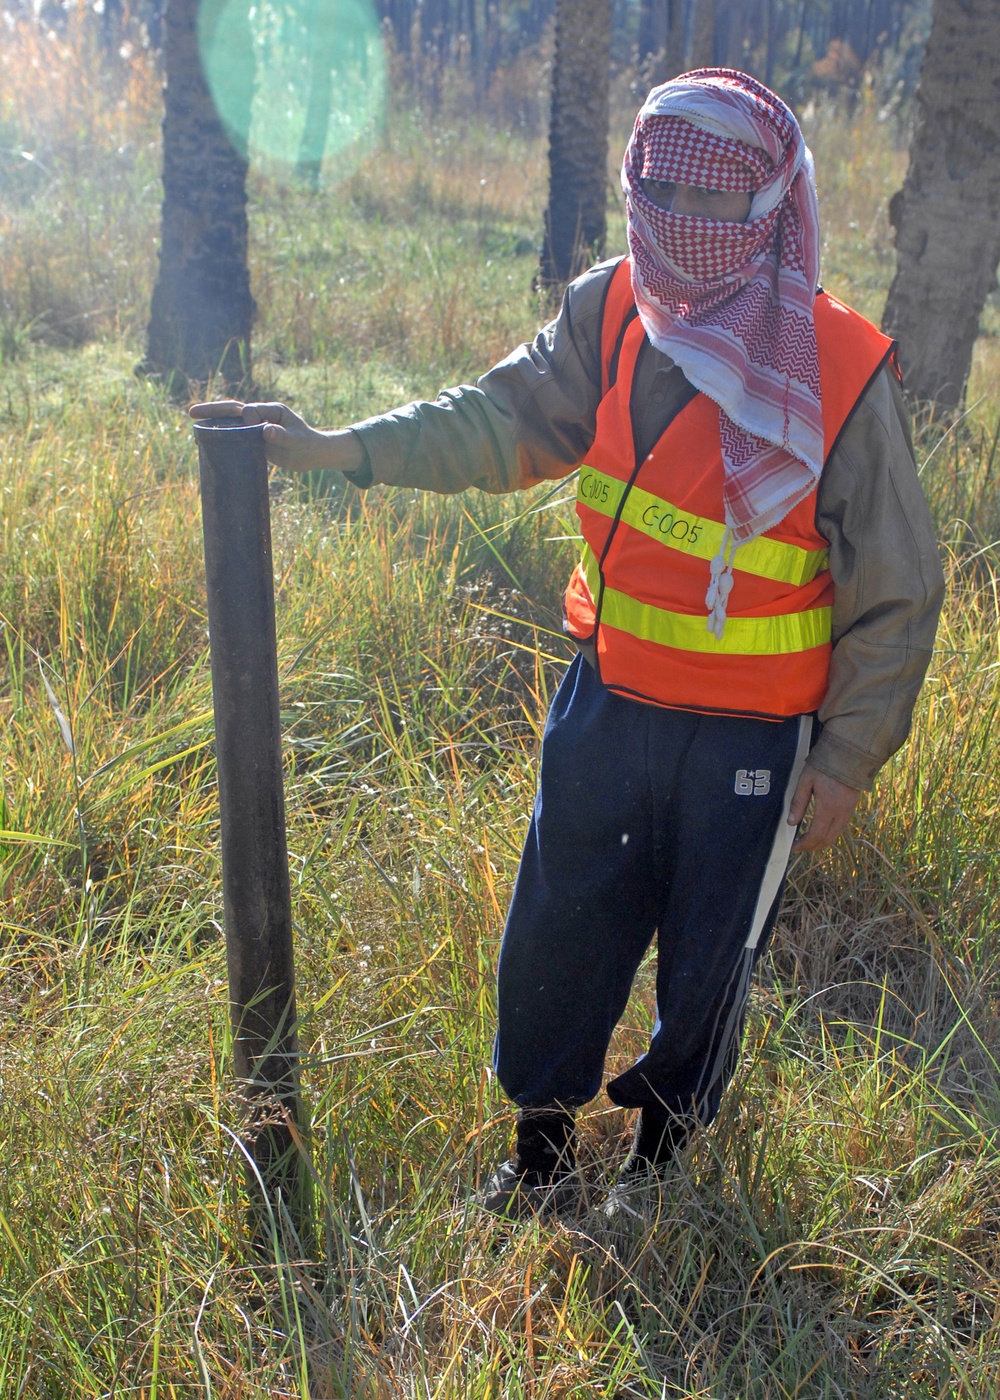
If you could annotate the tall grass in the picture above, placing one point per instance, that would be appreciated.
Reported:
(834, 1235)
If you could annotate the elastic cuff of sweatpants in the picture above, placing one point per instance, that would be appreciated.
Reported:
(545, 1140)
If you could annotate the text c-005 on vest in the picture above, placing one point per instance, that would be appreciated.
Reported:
(593, 488)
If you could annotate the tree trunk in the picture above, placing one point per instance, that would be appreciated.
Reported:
(947, 215)
(703, 34)
(770, 41)
(575, 220)
(675, 41)
(654, 29)
(736, 23)
(202, 309)
(800, 41)
(661, 40)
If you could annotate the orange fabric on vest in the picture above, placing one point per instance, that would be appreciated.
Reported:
(685, 470)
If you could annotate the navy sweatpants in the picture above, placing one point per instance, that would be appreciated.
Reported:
(647, 822)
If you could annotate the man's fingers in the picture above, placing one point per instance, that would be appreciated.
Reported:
(221, 408)
(289, 440)
(235, 408)
(816, 836)
(833, 804)
(267, 413)
(276, 442)
(800, 798)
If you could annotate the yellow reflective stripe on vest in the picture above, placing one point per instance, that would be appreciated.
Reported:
(695, 534)
(743, 636)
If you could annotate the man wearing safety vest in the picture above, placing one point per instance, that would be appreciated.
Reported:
(754, 610)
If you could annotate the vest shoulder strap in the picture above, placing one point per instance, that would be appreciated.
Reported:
(852, 352)
(619, 312)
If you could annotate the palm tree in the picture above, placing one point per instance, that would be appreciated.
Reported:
(575, 220)
(947, 215)
(661, 39)
(703, 34)
(202, 309)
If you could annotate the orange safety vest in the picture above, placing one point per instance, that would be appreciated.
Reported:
(651, 529)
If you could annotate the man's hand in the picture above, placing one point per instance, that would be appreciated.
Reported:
(288, 439)
(833, 803)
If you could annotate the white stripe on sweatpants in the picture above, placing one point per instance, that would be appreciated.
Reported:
(770, 884)
(784, 836)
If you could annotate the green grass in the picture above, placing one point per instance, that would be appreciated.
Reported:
(834, 1235)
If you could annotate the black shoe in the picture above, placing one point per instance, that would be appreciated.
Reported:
(524, 1195)
(540, 1179)
(658, 1138)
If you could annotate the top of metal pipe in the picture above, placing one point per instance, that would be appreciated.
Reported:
(228, 424)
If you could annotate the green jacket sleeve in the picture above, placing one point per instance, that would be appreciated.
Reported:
(888, 585)
(531, 418)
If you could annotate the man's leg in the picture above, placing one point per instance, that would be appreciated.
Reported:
(584, 906)
(727, 849)
(583, 914)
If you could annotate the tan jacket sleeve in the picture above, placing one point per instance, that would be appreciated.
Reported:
(531, 418)
(888, 585)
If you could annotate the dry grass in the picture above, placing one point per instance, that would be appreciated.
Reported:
(79, 197)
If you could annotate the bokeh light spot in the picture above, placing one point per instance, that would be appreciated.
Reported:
(298, 84)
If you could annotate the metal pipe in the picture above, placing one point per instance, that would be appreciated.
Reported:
(256, 890)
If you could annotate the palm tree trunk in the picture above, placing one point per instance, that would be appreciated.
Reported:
(703, 34)
(202, 309)
(654, 31)
(947, 215)
(575, 221)
(675, 41)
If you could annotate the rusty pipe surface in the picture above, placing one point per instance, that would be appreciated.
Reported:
(256, 889)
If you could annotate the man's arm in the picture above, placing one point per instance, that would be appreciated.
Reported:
(888, 592)
(530, 418)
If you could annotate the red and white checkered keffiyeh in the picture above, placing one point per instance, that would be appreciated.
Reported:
(730, 303)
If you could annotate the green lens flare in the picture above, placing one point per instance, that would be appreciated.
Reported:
(297, 83)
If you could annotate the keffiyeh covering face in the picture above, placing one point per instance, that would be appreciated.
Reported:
(731, 303)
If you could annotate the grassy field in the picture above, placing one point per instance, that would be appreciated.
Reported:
(835, 1235)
